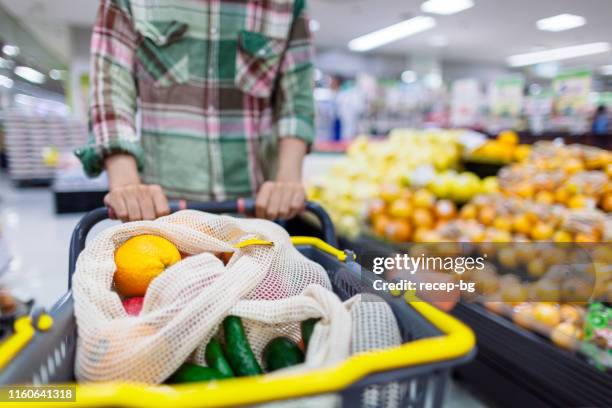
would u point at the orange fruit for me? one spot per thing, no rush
(398, 230)
(468, 212)
(536, 267)
(421, 218)
(525, 190)
(502, 223)
(400, 208)
(565, 335)
(376, 207)
(547, 313)
(521, 224)
(562, 196)
(486, 215)
(522, 315)
(420, 234)
(606, 202)
(544, 197)
(423, 198)
(582, 237)
(580, 201)
(562, 236)
(570, 314)
(495, 307)
(379, 223)
(141, 259)
(507, 257)
(514, 293)
(546, 290)
(542, 232)
(445, 210)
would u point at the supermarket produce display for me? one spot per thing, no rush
(543, 224)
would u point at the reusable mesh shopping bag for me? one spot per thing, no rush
(272, 287)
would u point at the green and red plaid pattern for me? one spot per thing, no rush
(215, 83)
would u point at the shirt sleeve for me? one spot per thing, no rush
(113, 89)
(294, 104)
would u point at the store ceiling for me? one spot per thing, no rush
(487, 33)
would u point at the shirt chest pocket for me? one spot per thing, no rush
(162, 51)
(258, 61)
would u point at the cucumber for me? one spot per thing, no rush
(194, 373)
(307, 327)
(216, 359)
(281, 352)
(237, 348)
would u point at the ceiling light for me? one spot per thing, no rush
(30, 74)
(409, 77)
(558, 54)
(561, 22)
(606, 70)
(446, 7)
(6, 82)
(392, 33)
(314, 25)
(10, 50)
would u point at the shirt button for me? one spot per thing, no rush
(213, 30)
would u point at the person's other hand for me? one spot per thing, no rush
(280, 200)
(137, 202)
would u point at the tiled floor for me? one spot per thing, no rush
(38, 240)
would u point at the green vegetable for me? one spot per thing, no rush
(281, 352)
(194, 373)
(307, 327)
(238, 350)
(216, 359)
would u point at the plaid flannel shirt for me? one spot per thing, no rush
(215, 84)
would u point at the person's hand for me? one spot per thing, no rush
(129, 199)
(137, 202)
(280, 200)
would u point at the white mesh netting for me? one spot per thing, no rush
(373, 328)
(272, 288)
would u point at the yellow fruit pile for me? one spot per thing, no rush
(357, 178)
(504, 149)
(461, 187)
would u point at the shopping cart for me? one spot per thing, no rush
(42, 350)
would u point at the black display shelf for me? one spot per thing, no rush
(515, 367)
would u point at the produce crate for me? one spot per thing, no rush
(43, 351)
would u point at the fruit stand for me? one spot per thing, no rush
(533, 327)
